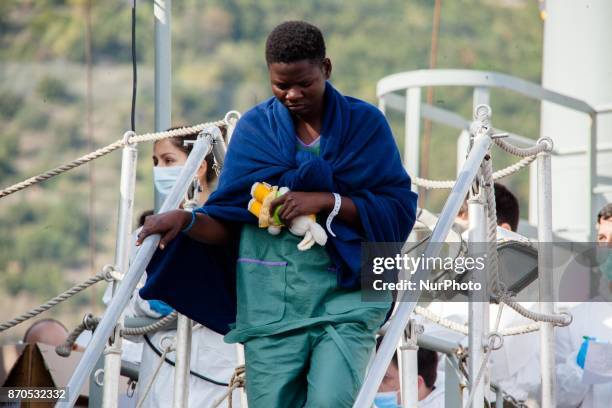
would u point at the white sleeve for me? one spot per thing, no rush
(570, 390)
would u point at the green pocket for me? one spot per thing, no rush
(261, 289)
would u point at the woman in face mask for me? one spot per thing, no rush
(169, 156)
(212, 361)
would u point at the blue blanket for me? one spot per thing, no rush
(359, 159)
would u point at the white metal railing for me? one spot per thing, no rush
(402, 92)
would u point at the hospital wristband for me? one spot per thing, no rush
(193, 220)
(333, 213)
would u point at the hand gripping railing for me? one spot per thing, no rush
(409, 299)
(132, 277)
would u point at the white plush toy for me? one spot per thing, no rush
(304, 225)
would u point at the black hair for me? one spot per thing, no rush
(294, 41)
(507, 206)
(605, 213)
(38, 322)
(427, 361)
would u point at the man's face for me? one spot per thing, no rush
(300, 86)
(604, 231)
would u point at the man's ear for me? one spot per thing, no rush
(327, 67)
(505, 226)
(420, 381)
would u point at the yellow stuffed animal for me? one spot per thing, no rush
(305, 225)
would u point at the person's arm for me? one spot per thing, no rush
(296, 203)
(169, 224)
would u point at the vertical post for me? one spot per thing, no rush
(480, 96)
(127, 186)
(382, 104)
(499, 397)
(413, 131)
(453, 397)
(183, 354)
(409, 366)
(545, 276)
(478, 303)
(591, 178)
(162, 10)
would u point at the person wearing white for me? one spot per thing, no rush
(212, 360)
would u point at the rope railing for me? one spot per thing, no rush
(55, 301)
(129, 138)
(499, 174)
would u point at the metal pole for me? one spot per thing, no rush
(545, 277)
(127, 186)
(162, 10)
(410, 298)
(591, 180)
(478, 315)
(183, 354)
(410, 366)
(132, 277)
(413, 130)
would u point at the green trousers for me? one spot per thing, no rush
(307, 342)
(315, 367)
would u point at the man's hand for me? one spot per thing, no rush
(296, 203)
(168, 225)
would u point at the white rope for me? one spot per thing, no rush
(463, 328)
(236, 381)
(147, 137)
(160, 324)
(154, 376)
(53, 302)
(496, 286)
(499, 174)
(520, 151)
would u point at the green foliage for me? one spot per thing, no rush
(38, 242)
(54, 90)
(9, 148)
(10, 103)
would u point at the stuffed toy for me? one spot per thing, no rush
(303, 226)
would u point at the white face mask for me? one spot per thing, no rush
(164, 179)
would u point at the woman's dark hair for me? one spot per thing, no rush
(294, 41)
(178, 142)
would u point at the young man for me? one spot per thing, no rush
(307, 333)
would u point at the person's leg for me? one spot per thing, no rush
(339, 359)
(276, 370)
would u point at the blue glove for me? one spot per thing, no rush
(160, 307)
(584, 348)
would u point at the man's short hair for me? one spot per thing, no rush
(507, 206)
(605, 213)
(294, 41)
(427, 366)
